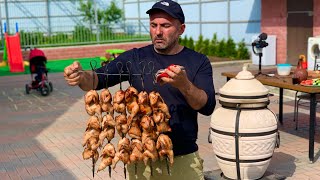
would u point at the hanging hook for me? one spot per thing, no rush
(142, 68)
(129, 66)
(93, 67)
(120, 70)
(106, 72)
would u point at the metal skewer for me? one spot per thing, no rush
(168, 168)
(93, 167)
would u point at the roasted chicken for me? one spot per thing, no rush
(90, 133)
(164, 147)
(150, 151)
(137, 150)
(105, 101)
(143, 101)
(148, 128)
(157, 103)
(131, 99)
(121, 125)
(88, 153)
(135, 130)
(162, 124)
(123, 153)
(119, 102)
(93, 123)
(107, 155)
(92, 105)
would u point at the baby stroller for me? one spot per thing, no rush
(37, 62)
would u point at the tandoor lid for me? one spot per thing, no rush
(244, 89)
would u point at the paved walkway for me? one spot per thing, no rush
(40, 137)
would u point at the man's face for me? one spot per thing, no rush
(164, 30)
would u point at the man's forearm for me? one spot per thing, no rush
(86, 80)
(195, 97)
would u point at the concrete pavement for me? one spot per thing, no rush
(40, 137)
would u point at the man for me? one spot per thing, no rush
(187, 90)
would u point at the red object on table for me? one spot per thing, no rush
(304, 65)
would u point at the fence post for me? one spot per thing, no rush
(96, 20)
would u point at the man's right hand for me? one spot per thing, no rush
(72, 73)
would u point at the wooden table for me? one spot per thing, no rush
(286, 83)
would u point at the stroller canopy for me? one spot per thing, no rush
(37, 58)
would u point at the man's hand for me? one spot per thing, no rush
(177, 77)
(72, 73)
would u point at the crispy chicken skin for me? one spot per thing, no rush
(106, 101)
(143, 101)
(92, 105)
(119, 102)
(164, 147)
(131, 99)
(107, 155)
(157, 103)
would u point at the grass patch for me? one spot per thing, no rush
(55, 66)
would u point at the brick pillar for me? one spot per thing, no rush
(316, 17)
(274, 22)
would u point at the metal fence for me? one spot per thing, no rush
(81, 35)
(43, 23)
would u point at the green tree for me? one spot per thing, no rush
(231, 50)
(88, 12)
(183, 41)
(213, 45)
(221, 49)
(205, 47)
(190, 43)
(113, 13)
(242, 51)
(198, 45)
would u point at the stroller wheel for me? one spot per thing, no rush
(45, 90)
(27, 89)
(50, 86)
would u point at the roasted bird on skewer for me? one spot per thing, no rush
(162, 124)
(164, 147)
(143, 101)
(137, 151)
(108, 128)
(123, 153)
(105, 102)
(157, 103)
(148, 128)
(150, 151)
(107, 155)
(131, 99)
(92, 105)
(119, 102)
(121, 125)
(135, 130)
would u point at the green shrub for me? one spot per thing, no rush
(242, 51)
(198, 44)
(213, 45)
(183, 41)
(190, 43)
(82, 34)
(221, 49)
(205, 46)
(231, 50)
(32, 38)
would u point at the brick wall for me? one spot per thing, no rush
(83, 51)
(316, 17)
(274, 22)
